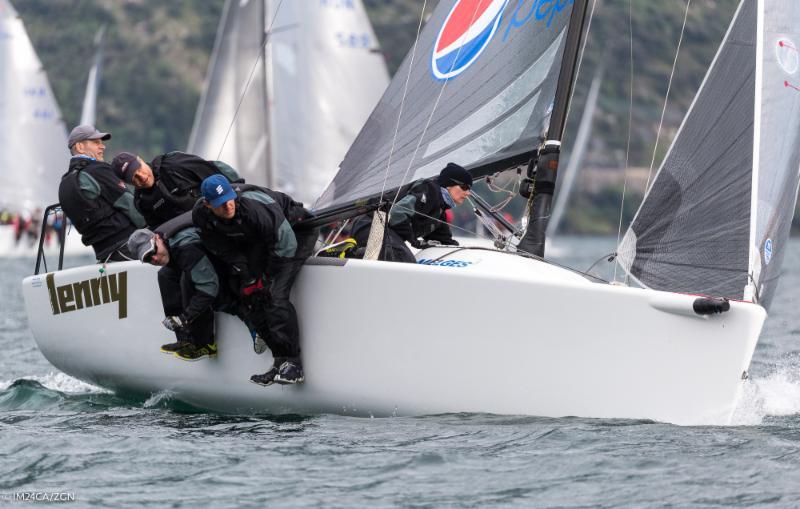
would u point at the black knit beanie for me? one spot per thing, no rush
(454, 175)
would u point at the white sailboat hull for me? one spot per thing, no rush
(482, 332)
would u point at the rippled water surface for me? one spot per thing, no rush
(61, 435)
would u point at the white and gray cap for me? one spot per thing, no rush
(86, 132)
(142, 244)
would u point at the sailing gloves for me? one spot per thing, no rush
(175, 323)
(252, 286)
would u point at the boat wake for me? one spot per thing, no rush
(57, 381)
(775, 395)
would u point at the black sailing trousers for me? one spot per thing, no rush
(271, 312)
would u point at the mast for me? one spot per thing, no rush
(542, 170)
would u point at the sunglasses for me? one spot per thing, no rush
(464, 187)
(150, 253)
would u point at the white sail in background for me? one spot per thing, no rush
(89, 111)
(311, 87)
(32, 132)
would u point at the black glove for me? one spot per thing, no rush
(450, 242)
(251, 287)
(175, 323)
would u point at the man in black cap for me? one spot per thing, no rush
(420, 214)
(251, 230)
(189, 284)
(97, 202)
(170, 184)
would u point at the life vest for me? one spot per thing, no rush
(98, 222)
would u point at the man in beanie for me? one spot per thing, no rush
(250, 229)
(420, 215)
(170, 184)
(97, 202)
(189, 284)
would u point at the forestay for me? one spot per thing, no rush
(28, 115)
(477, 90)
(711, 215)
(314, 84)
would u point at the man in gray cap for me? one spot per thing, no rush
(97, 202)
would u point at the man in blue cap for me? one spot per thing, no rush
(95, 200)
(252, 230)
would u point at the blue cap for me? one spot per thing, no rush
(217, 190)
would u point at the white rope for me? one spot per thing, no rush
(249, 79)
(666, 97)
(630, 129)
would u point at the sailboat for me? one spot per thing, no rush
(288, 88)
(488, 87)
(28, 111)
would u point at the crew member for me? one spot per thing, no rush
(170, 184)
(97, 202)
(250, 229)
(419, 217)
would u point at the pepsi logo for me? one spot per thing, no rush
(465, 33)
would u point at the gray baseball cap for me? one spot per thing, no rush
(86, 132)
(142, 243)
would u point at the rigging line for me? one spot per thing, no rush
(250, 78)
(403, 101)
(666, 97)
(628, 146)
(433, 111)
(438, 220)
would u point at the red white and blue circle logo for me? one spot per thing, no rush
(464, 35)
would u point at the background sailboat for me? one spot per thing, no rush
(289, 86)
(32, 133)
(89, 110)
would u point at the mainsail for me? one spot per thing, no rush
(304, 95)
(28, 114)
(477, 89)
(716, 219)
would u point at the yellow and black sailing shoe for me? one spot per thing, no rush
(173, 347)
(191, 352)
(340, 249)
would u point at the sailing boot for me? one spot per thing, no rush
(290, 372)
(268, 378)
(173, 347)
(191, 352)
(259, 345)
